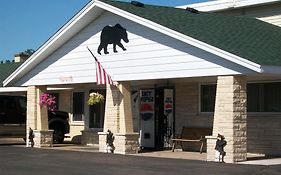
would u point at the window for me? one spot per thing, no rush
(78, 106)
(261, 97)
(264, 97)
(22, 104)
(208, 96)
(96, 117)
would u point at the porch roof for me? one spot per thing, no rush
(245, 37)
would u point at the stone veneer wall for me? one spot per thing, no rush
(187, 111)
(65, 100)
(90, 137)
(65, 104)
(187, 107)
(43, 139)
(263, 131)
(264, 134)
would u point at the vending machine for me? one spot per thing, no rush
(156, 117)
(147, 118)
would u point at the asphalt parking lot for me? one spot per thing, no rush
(19, 160)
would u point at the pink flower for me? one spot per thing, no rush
(48, 101)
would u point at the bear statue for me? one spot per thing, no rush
(112, 35)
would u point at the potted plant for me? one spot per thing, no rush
(95, 98)
(48, 101)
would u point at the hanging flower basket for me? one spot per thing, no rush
(95, 98)
(48, 101)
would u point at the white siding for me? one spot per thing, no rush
(149, 55)
(270, 13)
(276, 20)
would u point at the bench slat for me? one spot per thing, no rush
(186, 140)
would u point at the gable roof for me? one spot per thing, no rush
(248, 38)
(6, 69)
(244, 41)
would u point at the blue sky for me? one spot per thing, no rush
(27, 24)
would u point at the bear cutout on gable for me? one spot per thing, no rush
(112, 35)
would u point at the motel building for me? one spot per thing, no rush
(174, 68)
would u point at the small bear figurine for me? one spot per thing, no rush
(109, 142)
(31, 137)
(220, 144)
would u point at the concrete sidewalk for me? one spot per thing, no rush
(254, 159)
(178, 154)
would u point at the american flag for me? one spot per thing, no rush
(101, 76)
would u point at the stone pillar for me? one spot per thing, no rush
(31, 112)
(112, 102)
(126, 143)
(230, 118)
(43, 138)
(126, 140)
(125, 109)
(42, 112)
(118, 119)
(102, 142)
(90, 137)
(211, 142)
(111, 116)
(37, 118)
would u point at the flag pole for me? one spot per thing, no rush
(101, 73)
(92, 54)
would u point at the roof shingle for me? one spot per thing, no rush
(6, 69)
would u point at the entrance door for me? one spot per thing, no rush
(164, 117)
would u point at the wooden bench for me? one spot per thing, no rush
(192, 135)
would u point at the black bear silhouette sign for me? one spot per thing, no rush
(112, 35)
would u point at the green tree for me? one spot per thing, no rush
(28, 52)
